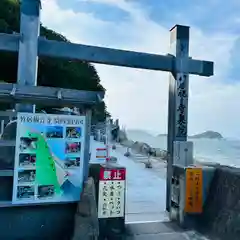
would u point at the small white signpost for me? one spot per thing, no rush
(101, 154)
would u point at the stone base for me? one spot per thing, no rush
(86, 218)
(127, 154)
(148, 164)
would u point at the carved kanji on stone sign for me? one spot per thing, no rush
(182, 95)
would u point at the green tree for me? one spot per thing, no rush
(52, 72)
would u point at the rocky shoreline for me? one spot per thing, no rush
(141, 147)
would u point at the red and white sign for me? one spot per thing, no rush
(101, 153)
(112, 174)
(111, 202)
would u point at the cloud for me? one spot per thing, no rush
(139, 97)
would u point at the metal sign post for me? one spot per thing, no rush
(87, 149)
(108, 138)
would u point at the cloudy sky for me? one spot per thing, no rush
(139, 97)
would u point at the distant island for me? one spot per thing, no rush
(207, 134)
(162, 135)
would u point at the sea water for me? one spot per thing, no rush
(223, 151)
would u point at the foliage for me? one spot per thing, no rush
(51, 71)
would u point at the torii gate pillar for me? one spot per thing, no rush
(178, 96)
(28, 47)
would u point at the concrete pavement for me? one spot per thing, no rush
(146, 190)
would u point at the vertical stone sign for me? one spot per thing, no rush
(178, 96)
(181, 106)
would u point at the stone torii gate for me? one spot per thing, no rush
(29, 46)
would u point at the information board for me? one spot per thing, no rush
(111, 200)
(194, 196)
(48, 158)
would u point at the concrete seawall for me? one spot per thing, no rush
(221, 216)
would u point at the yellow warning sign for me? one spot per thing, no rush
(194, 196)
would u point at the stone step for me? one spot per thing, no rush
(159, 236)
(160, 230)
(140, 217)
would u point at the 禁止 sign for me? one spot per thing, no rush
(194, 196)
(111, 202)
(48, 155)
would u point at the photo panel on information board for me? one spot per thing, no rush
(46, 191)
(73, 132)
(27, 160)
(72, 147)
(26, 192)
(72, 162)
(26, 176)
(28, 144)
(54, 132)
